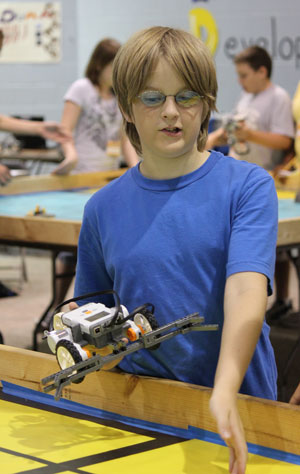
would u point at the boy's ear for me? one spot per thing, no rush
(126, 116)
(263, 71)
(205, 112)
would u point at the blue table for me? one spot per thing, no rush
(64, 198)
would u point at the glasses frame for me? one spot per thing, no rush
(164, 97)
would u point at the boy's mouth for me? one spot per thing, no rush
(172, 131)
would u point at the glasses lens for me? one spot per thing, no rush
(188, 98)
(152, 98)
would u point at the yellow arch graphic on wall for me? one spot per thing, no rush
(201, 19)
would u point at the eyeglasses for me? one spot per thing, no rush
(184, 98)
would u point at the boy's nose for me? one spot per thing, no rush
(170, 107)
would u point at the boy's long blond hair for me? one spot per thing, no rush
(190, 58)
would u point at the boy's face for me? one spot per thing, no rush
(251, 81)
(167, 130)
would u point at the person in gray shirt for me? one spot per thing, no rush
(263, 114)
(263, 134)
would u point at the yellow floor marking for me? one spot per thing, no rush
(55, 437)
(189, 457)
(59, 438)
(10, 464)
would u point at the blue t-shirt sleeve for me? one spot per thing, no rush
(91, 274)
(252, 246)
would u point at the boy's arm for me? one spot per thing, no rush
(295, 399)
(216, 138)
(276, 141)
(244, 309)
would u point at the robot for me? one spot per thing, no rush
(79, 335)
(231, 123)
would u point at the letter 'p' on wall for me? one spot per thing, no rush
(203, 26)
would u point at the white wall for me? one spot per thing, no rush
(274, 23)
(38, 89)
(120, 18)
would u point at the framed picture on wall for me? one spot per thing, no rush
(31, 32)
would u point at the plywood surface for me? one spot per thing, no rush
(267, 423)
(20, 228)
(36, 440)
(38, 183)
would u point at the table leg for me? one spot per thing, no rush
(50, 305)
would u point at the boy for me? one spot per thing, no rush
(186, 229)
(268, 127)
(268, 132)
(270, 138)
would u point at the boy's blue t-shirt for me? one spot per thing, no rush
(173, 243)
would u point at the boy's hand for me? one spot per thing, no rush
(224, 409)
(221, 137)
(242, 133)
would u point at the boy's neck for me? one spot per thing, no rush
(264, 86)
(170, 168)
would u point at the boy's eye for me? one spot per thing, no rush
(187, 98)
(151, 98)
(184, 98)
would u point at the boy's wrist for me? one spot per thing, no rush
(250, 134)
(225, 387)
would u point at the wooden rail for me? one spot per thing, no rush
(266, 423)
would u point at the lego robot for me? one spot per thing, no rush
(79, 335)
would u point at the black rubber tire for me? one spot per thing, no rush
(151, 320)
(69, 346)
(154, 325)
